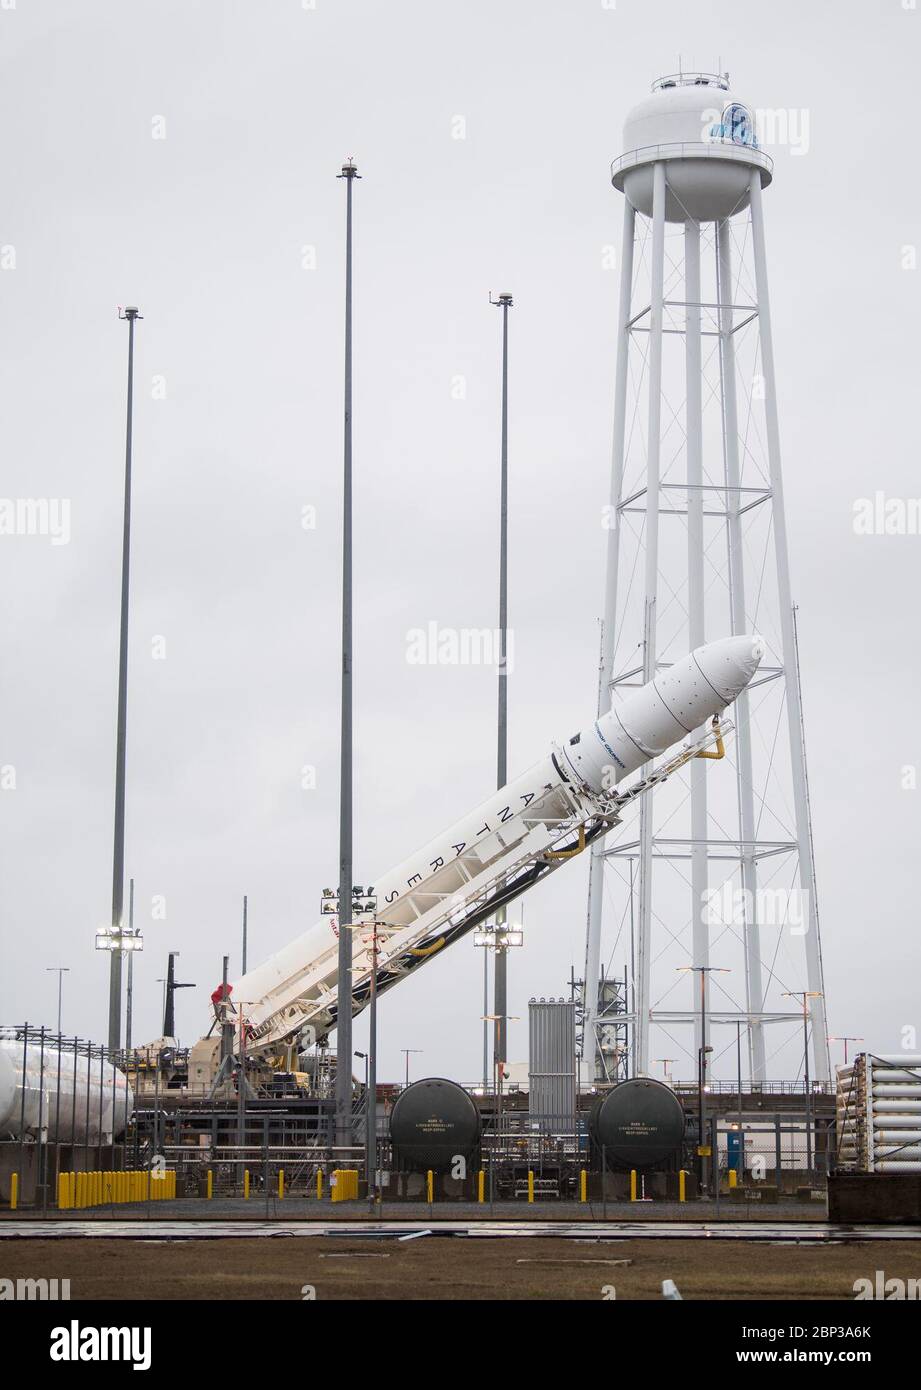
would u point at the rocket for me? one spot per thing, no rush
(503, 846)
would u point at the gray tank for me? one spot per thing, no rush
(432, 1122)
(639, 1124)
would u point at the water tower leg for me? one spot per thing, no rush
(608, 634)
(700, 932)
(813, 950)
(748, 865)
(656, 315)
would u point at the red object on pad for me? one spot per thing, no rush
(218, 994)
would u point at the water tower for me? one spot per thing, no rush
(721, 874)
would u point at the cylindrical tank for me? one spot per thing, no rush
(69, 1096)
(706, 137)
(639, 1124)
(432, 1123)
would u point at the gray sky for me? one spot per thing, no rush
(206, 231)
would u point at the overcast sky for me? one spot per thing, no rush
(183, 158)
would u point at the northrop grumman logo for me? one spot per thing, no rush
(76, 1343)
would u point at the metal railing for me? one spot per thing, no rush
(732, 150)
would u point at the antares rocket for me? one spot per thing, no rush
(500, 849)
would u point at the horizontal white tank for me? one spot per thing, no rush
(897, 1059)
(69, 1098)
(890, 1166)
(882, 1089)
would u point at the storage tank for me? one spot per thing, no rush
(639, 1124)
(69, 1095)
(433, 1122)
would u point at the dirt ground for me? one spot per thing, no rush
(453, 1268)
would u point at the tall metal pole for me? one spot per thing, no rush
(813, 950)
(371, 1096)
(608, 633)
(500, 985)
(344, 1011)
(243, 963)
(118, 854)
(485, 1020)
(61, 971)
(129, 995)
(702, 1077)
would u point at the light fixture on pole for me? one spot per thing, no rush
(704, 1150)
(499, 937)
(350, 173)
(407, 1051)
(61, 971)
(806, 995)
(363, 912)
(844, 1038)
(500, 972)
(131, 315)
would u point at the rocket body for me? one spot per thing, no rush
(580, 772)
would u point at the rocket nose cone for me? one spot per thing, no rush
(730, 663)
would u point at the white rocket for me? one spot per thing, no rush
(501, 848)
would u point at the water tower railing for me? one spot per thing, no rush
(732, 150)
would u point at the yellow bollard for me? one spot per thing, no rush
(210, 1184)
(632, 1184)
(281, 1182)
(246, 1184)
(430, 1186)
(14, 1191)
(319, 1184)
(583, 1186)
(733, 1179)
(481, 1186)
(682, 1185)
(530, 1185)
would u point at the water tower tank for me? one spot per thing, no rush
(707, 138)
